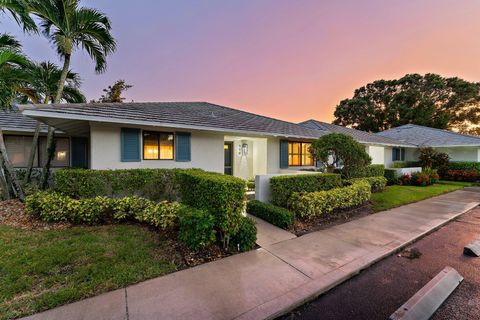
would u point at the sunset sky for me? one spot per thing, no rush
(292, 60)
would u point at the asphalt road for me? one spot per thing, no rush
(381, 289)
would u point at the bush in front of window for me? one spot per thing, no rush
(282, 187)
(309, 205)
(273, 214)
(430, 158)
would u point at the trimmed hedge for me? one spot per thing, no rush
(372, 170)
(470, 166)
(54, 207)
(377, 183)
(462, 175)
(224, 196)
(282, 187)
(197, 228)
(153, 184)
(313, 204)
(391, 176)
(277, 216)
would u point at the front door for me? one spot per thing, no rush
(228, 151)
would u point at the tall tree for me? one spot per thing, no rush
(429, 100)
(18, 9)
(113, 94)
(41, 87)
(12, 61)
(69, 26)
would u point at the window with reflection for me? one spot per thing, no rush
(158, 145)
(62, 152)
(299, 154)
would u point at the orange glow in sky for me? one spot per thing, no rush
(292, 60)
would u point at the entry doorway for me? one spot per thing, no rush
(228, 157)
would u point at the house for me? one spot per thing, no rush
(192, 135)
(459, 147)
(382, 150)
(18, 131)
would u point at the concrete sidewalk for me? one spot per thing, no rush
(267, 282)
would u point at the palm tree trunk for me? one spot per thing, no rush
(33, 152)
(9, 170)
(50, 145)
(4, 190)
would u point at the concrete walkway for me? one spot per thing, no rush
(268, 234)
(267, 282)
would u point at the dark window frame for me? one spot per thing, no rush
(399, 152)
(300, 155)
(158, 133)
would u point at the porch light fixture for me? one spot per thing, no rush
(245, 149)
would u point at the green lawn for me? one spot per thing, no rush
(395, 196)
(43, 269)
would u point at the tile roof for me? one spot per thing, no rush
(360, 136)
(429, 137)
(196, 115)
(15, 121)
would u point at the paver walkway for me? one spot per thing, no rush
(266, 282)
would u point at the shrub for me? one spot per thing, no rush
(246, 236)
(277, 216)
(425, 178)
(391, 175)
(314, 204)
(462, 175)
(128, 207)
(162, 215)
(251, 184)
(197, 227)
(399, 164)
(282, 187)
(377, 183)
(334, 149)
(464, 165)
(224, 196)
(153, 184)
(373, 170)
(430, 158)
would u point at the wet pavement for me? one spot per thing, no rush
(381, 289)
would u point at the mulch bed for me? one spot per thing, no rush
(302, 227)
(12, 213)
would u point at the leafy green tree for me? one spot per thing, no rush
(69, 26)
(429, 100)
(113, 94)
(337, 149)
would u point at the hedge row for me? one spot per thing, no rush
(373, 170)
(462, 175)
(313, 204)
(425, 178)
(277, 216)
(282, 187)
(377, 184)
(391, 176)
(54, 207)
(467, 166)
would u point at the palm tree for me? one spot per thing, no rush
(41, 87)
(12, 62)
(19, 11)
(69, 26)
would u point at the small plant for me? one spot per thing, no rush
(246, 236)
(391, 176)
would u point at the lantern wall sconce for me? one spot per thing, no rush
(245, 149)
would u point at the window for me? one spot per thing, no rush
(398, 154)
(299, 154)
(157, 146)
(18, 150)
(62, 152)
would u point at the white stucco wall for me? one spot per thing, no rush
(461, 153)
(273, 155)
(387, 156)
(207, 151)
(377, 153)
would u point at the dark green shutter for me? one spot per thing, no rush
(130, 145)
(182, 147)
(283, 154)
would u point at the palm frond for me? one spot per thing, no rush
(8, 42)
(19, 10)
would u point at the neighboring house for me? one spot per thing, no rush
(459, 147)
(382, 150)
(18, 131)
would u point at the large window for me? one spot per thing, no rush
(299, 154)
(398, 154)
(62, 152)
(157, 145)
(18, 150)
